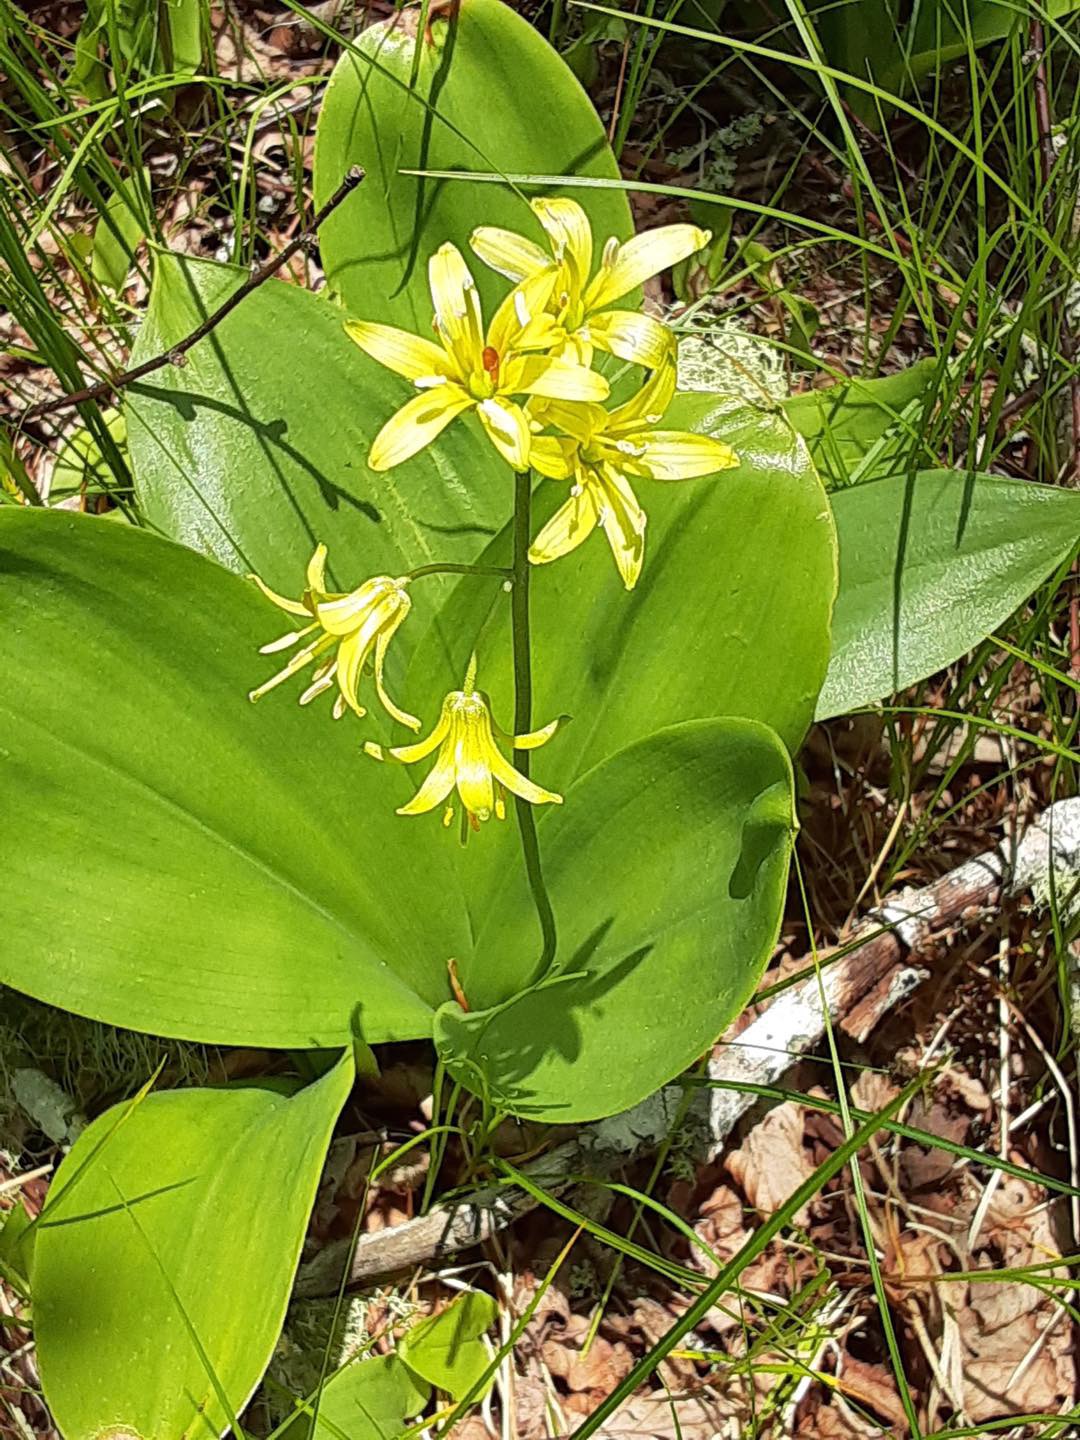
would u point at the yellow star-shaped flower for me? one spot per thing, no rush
(580, 304)
(600, 450)
(470, 369)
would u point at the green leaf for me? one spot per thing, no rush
(861, 429)
(489, 94)
(185, 18)
(930, 564)
(178, 860)
(667, 869)
(256, 448)
(117, 234)
(80, 466)
(446, 1349)
(166, 1253)
(366, 1400)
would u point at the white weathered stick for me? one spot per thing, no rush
(865, 981)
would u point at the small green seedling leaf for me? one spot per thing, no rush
(447, 1350)
(369, 1399)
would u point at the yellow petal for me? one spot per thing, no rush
(624, 525)
(636, 338)
(508, 252)
(368, 607)
(632, 263)
(647, 406)
(542, 375)
(521, 322)
(553, 455)
(293, 607)
(571, 524)
(680, 455)
(416, 424)
(457, 308)
(316, 570)
(352, 652)
(399, 350)
(410, 754)
(535, 738)
(436, 787)
(580, 419)
(507, 429)
(472, 760)
(520, 784)
(401, 716)
(570, 233)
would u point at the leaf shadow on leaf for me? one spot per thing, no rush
(270, 433)
(514, 1046)
(102, 1212)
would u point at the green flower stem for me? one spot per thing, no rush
(448, 568)
(519, 613)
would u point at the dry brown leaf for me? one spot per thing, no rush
(660, 1417)
(772, 1162)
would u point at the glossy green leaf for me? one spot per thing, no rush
(166, 1253)
(256, 448)
(178, 860)
(930, 564)
(446, 1350)
(371, 1399)
(667, 869)
(859, 429)
(117, 234)
(465, 110)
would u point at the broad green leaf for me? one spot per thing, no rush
(667, 869)
(369, 1399)
(930, 564)
(178, 860)
(859, 429)
(166, 1253)
(446, 1349)
(256, 448)
(117, 234)
(488, 94)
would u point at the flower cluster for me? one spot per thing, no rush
(528, 376)
(349, 629)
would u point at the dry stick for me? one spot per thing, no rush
(175, 356)
(865, 980)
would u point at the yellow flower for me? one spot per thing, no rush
(469, 369)
(469, 759)
(599, 451)
(348, 628)
(580, 304)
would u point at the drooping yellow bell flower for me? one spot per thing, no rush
(599, 451)
(470, 369)
(580, 304)
(349, 628)
(470, 760)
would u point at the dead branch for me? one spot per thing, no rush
(175, 356)
(856, 984)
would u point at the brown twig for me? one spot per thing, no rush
(175, 356)
(857, 986)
